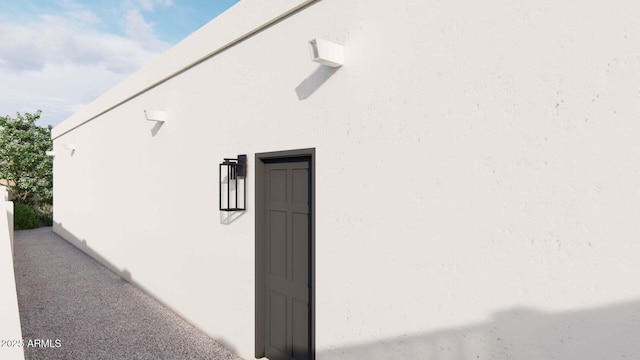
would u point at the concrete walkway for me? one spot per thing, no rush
(78, 309)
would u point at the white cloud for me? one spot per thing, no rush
(78, 12)
(85, 16)
(60, 61)
(141, 31)
(58, 89)
(56, 40)
(149, 5)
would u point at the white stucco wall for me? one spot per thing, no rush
(477, 176)
(11, 346)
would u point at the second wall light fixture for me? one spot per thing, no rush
(155, 115)
(326, 52)
(233, 187)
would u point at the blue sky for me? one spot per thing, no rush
(58, 55)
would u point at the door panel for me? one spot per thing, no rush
(278, 243)
(278, 185)
(300, 179)
(300, 244)
(278, 329)
(287, 245)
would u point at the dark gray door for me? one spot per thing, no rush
(287, 245)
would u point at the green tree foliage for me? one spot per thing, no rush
(25, 217)
(23, 159)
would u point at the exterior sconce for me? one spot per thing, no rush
(233, 187)
(326, 53)
(71, 147)
(155, 115)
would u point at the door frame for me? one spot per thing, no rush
(260, 271)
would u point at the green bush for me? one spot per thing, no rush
(46, 219)
(45, 214)
(25, 217)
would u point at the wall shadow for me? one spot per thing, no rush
(312, 83)
(597, 333)
(83, 246)
(126, 275)
(608, 332)
(228, 217)
(156, 128)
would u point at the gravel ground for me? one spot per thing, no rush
(81, 310)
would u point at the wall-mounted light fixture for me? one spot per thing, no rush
(155, 115)
(326, 53)
(233, 187)
(50, 153)
(70, 147)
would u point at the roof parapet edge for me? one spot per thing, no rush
(243, 17)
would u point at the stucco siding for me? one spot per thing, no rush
(476, 164)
